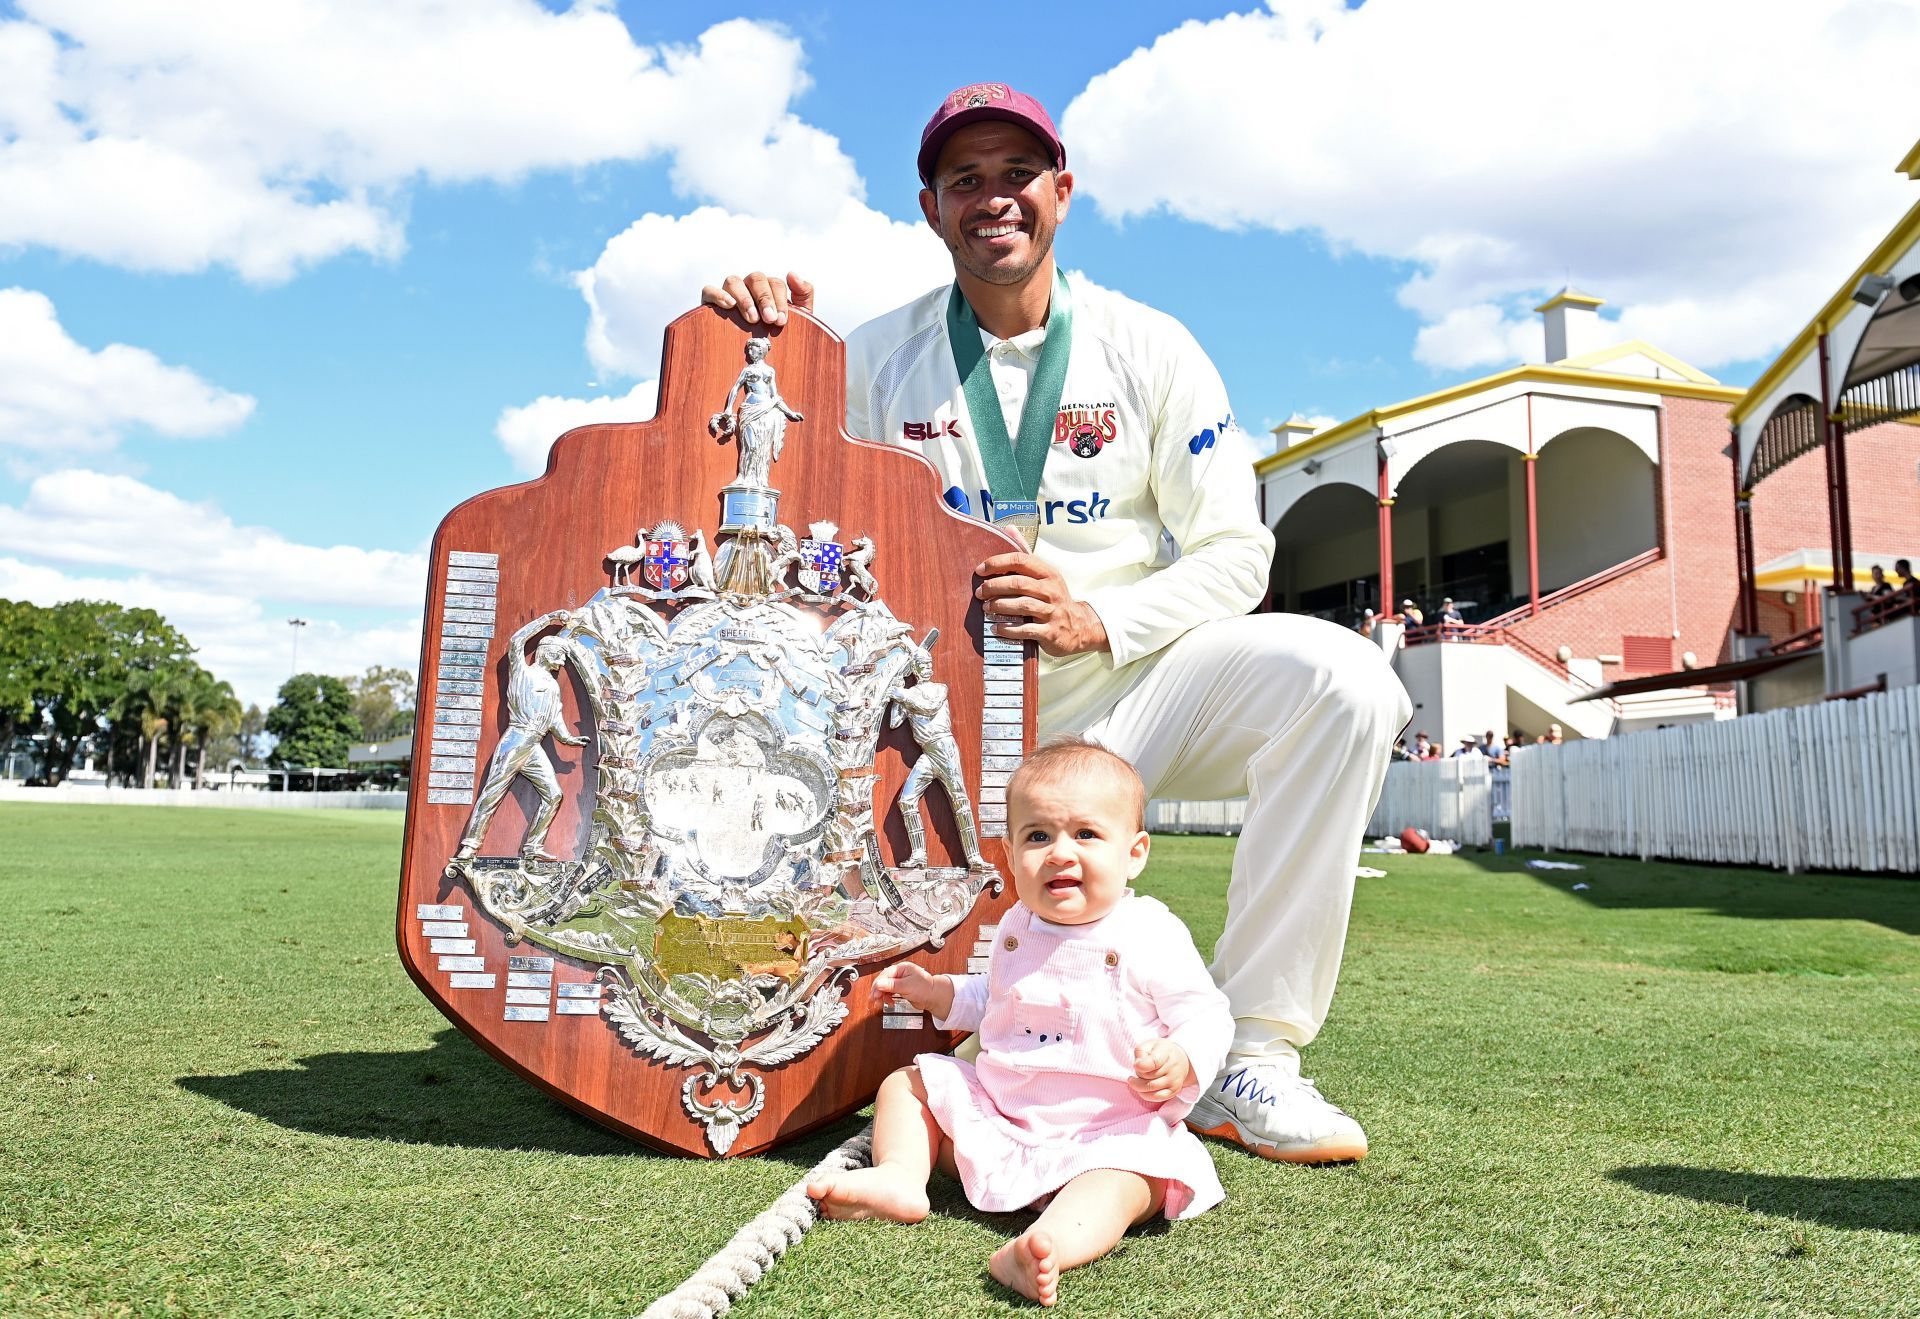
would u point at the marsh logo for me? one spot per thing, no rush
(1199, 444)
(1070, 511)
(1085, 428)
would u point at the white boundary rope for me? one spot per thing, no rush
(745, 1259)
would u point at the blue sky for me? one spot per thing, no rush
(1346, 206)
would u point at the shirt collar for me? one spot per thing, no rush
(1028, 344)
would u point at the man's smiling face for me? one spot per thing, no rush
(996, 200)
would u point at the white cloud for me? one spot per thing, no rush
(862, 264)
(1713, 168)
(227, 588)
(59, 397)
(269, 137)
(527, 432)
(98, 520)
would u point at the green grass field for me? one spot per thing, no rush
(1687, 1091)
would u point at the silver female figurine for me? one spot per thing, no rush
(761, 428)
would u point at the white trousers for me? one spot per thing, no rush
(1299, 715)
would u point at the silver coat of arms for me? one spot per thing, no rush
(732, 881)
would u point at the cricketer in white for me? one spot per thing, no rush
(1150, 553)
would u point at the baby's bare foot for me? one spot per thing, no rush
(881, 1192)
(1028, 1265)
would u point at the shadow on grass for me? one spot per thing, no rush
(448, 1094)
(950, 1201)
(1885, 1204)
(451, 1094)
(1742, 892)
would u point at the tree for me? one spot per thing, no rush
(313, 718)
(213, 712)
(87, 667)
(383, 703)
(95, 662)
(241, 742)
(20, 647)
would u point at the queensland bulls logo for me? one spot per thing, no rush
(1085, 430)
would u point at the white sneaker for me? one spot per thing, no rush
(1266, 1106)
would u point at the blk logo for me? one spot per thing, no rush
(930, 430)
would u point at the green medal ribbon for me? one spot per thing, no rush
(1013, 469)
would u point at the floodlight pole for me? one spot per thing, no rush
(296, 624)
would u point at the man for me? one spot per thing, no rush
(1903, 569)
(1146, 652)
(1448, 613)
(1422, 746)
(1469, 746)
(1411, 612)
(1881, 586)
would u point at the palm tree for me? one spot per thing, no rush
(214, 712)
(142, 704)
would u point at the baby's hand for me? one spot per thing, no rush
(1161, 1070)
(918, 987)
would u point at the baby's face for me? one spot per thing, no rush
(1075, 849)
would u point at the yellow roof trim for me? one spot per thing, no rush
(1889, 250)
(1571, 297)
(1544, 375)
(1644, 349)
(1910, 163)
(1789, 579)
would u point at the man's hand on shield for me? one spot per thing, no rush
(1027, 600)
(760, 298)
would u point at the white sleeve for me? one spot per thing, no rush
(1202, 479)
(969, 1004)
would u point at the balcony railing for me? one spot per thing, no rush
(1884, 609)
(1579, 588)
(1805, 640)
(1486, 634)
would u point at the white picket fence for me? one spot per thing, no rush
(65, 795)
(1829, 786)
(1196, 817)
(1450, 798)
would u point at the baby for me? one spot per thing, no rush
(1098, 1026)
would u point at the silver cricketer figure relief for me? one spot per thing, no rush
(732, 880)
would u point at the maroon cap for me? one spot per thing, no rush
(985, 100)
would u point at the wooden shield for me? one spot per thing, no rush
(674, 926)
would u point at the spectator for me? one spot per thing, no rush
(1448, 613)
(1553, 734)
(1415, 618)
(1423, 748)
(1469, 746)
(1881, 586)
(1365, 626)
(1903, 569)
(1400, 751)
(1495, 749)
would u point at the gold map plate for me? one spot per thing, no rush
(730, 949)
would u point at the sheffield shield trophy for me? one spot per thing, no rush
(688, 778)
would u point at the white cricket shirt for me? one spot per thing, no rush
(1147, 499)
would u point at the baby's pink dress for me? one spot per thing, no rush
(1059, 1012)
